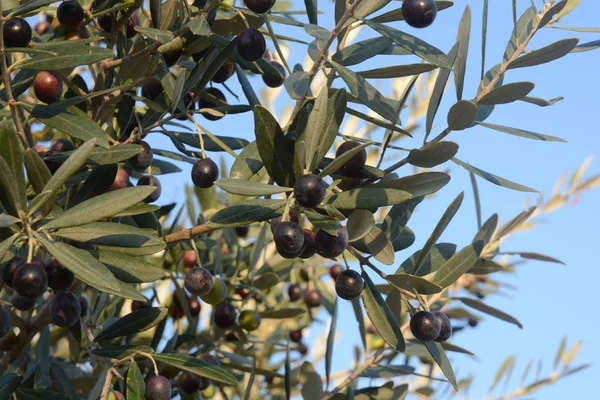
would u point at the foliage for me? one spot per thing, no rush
(73, 205)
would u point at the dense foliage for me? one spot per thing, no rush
(107, 295)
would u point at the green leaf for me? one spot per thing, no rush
(484, 266)
(336, 164)
(111, 234)
(361, 51)
(395, 221)
(432, 154)
(593, 45)
(438, 91)
(211, 63)
(247, 163)
(88, 270)
(461, 115)
(101, 156)
(487, 230)
(411, 282)
(311, 11)
(542, 102)
(246, 86)
(130, 269)
(61, 382)
(199, 26)
(438, 230)
(193, 140)
(266, 281)
(99, 181)
(246, 212)
(532, 256)
(135, 322)
(517, 221)
(458, 264)
(9, 192)
(100, 207)
(136, 387)
(282, 313)
(19, 85)
(323, 125)
(462, 38)
(555, 9)
(246, 188)
(417, 185)
(196, 366)
(273, 147)
(39, 394)
(496, 180)
(413, 44)
(8, 384)
(312, 386)
(5, 245)
(297, 84)
(367, 94)
(119, 352)
(369, 198)
(360, 223)
(6, 221)
(522, 30)
(157, 35)
(37, 171)
(507, 93)
(521, 133)
(440, 358)
(546, 54)
(12, 152)
(379, 246)
(67, 169)
(360, 319)
(288, 376)
(330, 343)
(397, 71)
(439, 254)
(68, 57)
(494, 312)
(381, 315)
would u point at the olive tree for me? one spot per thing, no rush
(106, 294)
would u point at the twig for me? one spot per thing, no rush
(322, 55)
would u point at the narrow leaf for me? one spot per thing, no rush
(546, 54)
(381, 315)
(330, 343)
(496, 180)
(458, 264)
(196, 366)
(438, 230)
(101, 207)
(135, 322)
(136, 387)
(494, 312)
(521, 133)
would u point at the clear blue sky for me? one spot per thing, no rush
(552, 300)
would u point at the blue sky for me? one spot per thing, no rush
(551, 300)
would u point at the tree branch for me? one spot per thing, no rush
(323, 54)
